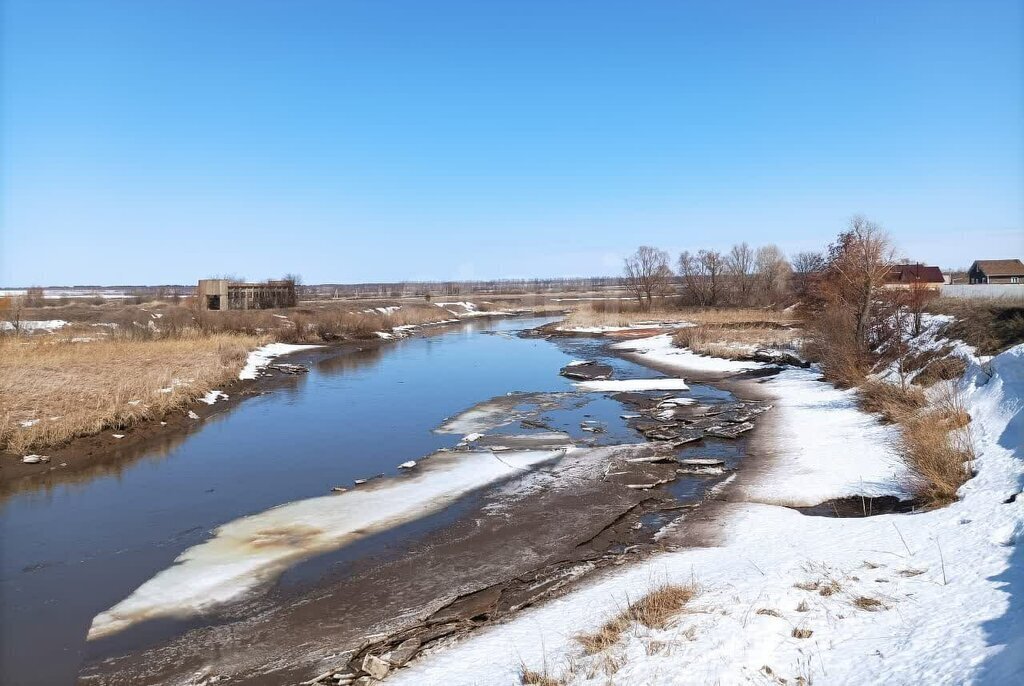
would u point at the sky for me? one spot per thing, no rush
(348, 141)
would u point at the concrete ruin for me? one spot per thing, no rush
(222, 294)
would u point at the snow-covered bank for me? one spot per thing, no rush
(249, 552)
(261, 357)
(934, 597)
(659, 351)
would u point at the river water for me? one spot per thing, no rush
(74, 550)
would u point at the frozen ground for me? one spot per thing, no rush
(927, 598)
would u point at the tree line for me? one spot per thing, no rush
(742, 276)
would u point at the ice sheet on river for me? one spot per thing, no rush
(249, 552)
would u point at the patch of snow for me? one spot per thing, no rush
(248, 553)
(632, 327)
(660, 351)
(35, 326)
(213, 396)
(261, 357)
(622, 385)
(947, 582)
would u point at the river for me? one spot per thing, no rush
(76, 549)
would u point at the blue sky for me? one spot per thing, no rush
(164, 141)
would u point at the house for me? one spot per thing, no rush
(914, 275)
(221, 294)
(996, 271)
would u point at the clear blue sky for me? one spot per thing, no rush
(162, 141)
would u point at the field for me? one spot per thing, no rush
(53, 389)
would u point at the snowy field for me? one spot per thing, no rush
(926, 598)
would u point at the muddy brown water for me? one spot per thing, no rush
(74, 549)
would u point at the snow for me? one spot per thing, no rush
(621, 385)
(249, 553)
(213, 396)
(632, 327)
(950, 581)
(261, 357)
(659, 350)
(35, 325)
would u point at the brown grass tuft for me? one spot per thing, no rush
(869, 604)
(531, 677)
(655, 610)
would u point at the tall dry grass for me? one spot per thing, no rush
(71, 389)
(939, 448)
(625, 313)
(733, 341)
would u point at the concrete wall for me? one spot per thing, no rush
(984, 290)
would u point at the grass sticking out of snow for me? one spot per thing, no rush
(654, 610)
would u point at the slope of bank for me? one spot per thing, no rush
(783, 597)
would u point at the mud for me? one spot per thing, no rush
(516, 546)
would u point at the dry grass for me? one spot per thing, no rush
(626, 313)
(74, 389)
(870, 604)
(941, 369)
(531, 677)
(893, 402)
(655, 610)
(989, 325)
(731, 341)
(938, 446)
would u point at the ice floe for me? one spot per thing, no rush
(247, 553)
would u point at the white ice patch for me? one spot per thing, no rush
(213, 396)
(622, 385)
(252, 551)
(660, 350)
(261, 357)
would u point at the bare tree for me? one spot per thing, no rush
(647, 274)
(807, 266)
(739, 267)
(858, 264)
(702, 276)
(771, 274)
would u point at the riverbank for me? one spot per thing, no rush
(482, 559)
(782, 596)
(84, 406)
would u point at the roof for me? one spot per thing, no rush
(1000, 267)
(914, 273)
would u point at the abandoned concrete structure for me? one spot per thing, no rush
(222, 294)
